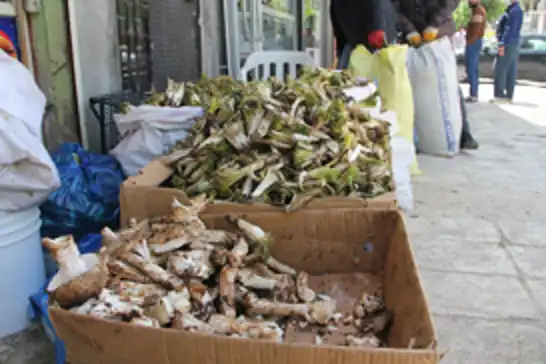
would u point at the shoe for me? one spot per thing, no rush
(471, 99)
(500, 100)
(468, 142)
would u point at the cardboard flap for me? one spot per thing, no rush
(154, 174)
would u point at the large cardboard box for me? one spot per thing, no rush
(336, 241)
(147, 189)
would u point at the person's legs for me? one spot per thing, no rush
(472, 55)
(466, 126)
(343, 61)
(467, 140)
(500, 74)
(512, 75)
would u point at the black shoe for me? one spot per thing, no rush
(468, 142)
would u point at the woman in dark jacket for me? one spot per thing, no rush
(371, 23)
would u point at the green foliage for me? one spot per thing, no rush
(494, 9)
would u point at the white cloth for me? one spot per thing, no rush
(27, 173)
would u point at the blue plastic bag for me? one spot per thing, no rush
(88, 198)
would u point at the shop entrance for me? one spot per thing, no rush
(272, 25)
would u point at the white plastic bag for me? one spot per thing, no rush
(403, 154)
(433, 74)
(150, 131)
(27, 173)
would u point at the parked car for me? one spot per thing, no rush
(532, 60)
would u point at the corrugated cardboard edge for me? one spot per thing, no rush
(99, 341)
(154, 174)
(426, 319)
(90, 340)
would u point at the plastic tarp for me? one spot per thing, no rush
(27, 173)
(40, 300)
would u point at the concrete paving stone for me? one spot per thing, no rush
(31, 346)
(481, 342)
(477, 295)
(538, 290)
(464, 229)
(428, 164)
(510, 176)
(5, 352)
(442, 177)
(524, 232)
(531, 260)
(448, 254)
(478, 202)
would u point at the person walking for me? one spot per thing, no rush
(474, 39)
(370, 23)
(506, 61)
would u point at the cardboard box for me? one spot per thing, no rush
(146, 188)
(332, 241)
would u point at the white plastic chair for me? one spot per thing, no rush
(251, 69)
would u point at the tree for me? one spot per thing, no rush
(494, 9)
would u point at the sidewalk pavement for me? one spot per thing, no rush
(480, 239)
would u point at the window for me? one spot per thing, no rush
(537, 44)
(134, 44)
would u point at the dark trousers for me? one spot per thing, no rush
(343, 59)
(472, 60)
(506, 71)
(464, 115)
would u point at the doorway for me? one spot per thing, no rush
(274, 25)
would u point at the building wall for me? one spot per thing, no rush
(54, 73)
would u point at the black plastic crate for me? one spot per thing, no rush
(104, 108)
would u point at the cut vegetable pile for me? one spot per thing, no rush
(174, 272)
(279, 143)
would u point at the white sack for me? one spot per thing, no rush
(149, 132)
(27, 173)
(433, 74)
(403, 154)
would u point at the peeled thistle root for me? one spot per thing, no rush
(255, 235)
(80, 277)
(216, 282)
(258, 138)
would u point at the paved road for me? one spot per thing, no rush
(480, 238)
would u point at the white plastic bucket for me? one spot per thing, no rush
(22, 271)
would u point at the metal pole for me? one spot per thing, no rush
(326, 35)
(232, 37)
